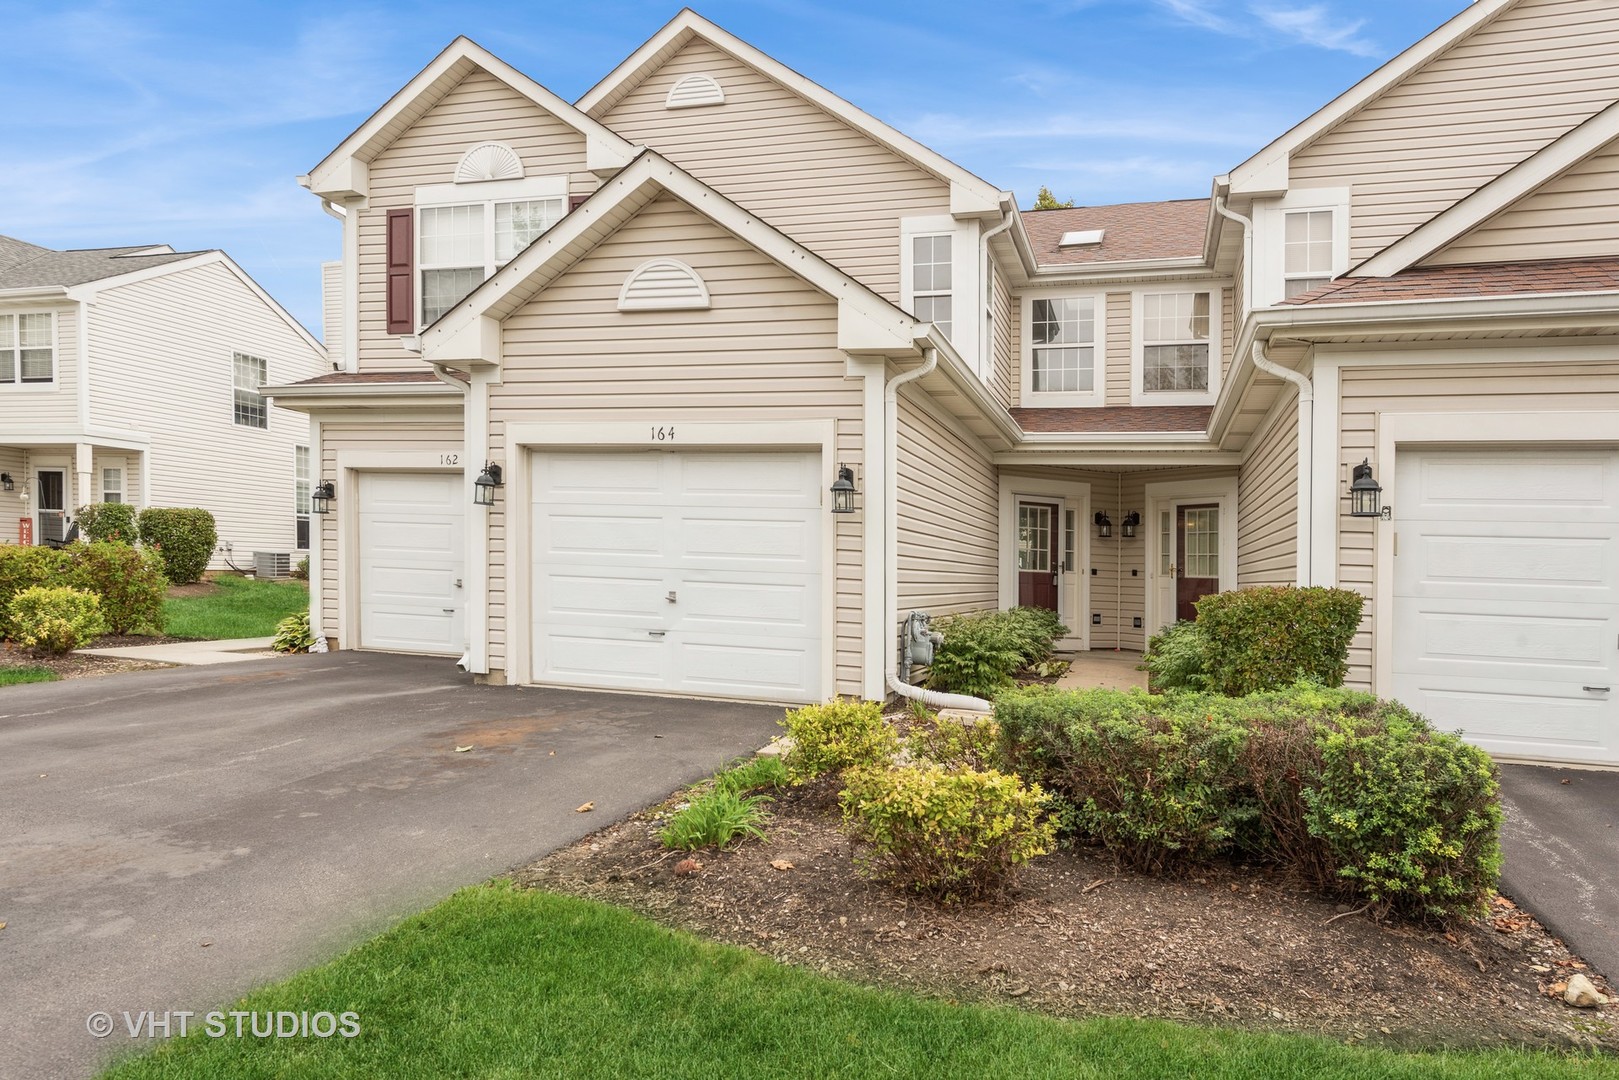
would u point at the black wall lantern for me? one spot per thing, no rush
(1127, 527)
(321, 497)
(843, 491)
(483, 488)
(1104, 525)
(6, 482)
(1365, 493)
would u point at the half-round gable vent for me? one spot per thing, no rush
(489, 161)
(694, 90)
(662, 285)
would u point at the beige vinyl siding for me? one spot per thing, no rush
(1368, 392)
(1003, 348)
(360, 434)
(1573, 216)
(1511, 87)
(1120, 356)
(947, 503)
(331, 309)
(1228, 329)
(807, 173)
(481, 108)
(766, 350)
(37, 405)
(1267, 503)
(14, 504)
(161, 354)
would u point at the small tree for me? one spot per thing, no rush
(1045, 200)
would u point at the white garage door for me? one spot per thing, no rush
(681, 572)
(412, 562)
(1506, 609)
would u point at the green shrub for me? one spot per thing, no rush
(1270, 637)
(55, 620)
(1410, 816)
(1177, 658)
(293, 635)
(113, 522)
(128, 581)
(955, 743)
(982, 651)
(951, 835)
(763, 773)
(300, 569)
(183, 536)
(832, 737)
(25, 568)
(715, 819)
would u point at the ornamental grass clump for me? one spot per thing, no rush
(716, 818)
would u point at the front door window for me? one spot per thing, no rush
(1197, 557)
(52, 504)
(1037, 555)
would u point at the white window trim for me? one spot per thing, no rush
(1097, 395)
(308, 481)
(1138, 344)
(1270, 233)
(56, 357)
(123, 487)
(966, 280)
(485, 194)
(231, 378)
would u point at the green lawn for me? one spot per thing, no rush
(499, 982)
(13, 676)
(240, 608)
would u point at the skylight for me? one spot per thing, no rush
(1081, 238)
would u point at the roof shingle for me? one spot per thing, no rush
(1155, 230)
(1116, 419)
(28, 266)
(1469, 282)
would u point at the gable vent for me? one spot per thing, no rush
(662, 285)
(489, 161)
(694, 90)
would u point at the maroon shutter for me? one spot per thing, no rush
(401, 273)
(576, 201)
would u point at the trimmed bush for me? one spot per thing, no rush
(129, 582)
(293, 635)
(25, 568)
(954, 743)
(1177, 658)
(183, 536)
(112, 522)
(951, 835)
(300, 569)
(1271, 637)
(982, 651)
(55, 621)
(1357, 796)
(837, 735)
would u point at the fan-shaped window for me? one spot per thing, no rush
(489, 161)
(662, 285)
(694, 90)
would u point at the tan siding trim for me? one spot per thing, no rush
(1267, 502)
(947, 497)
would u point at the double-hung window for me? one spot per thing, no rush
(27, 348)
(932, 279)
(248, 373)
(1306, 250)
(112, 485)
(1062, 336)
(1175, 342)
(461, 245)
(300, 495)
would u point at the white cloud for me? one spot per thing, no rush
(1315, 25)
(1200, 13)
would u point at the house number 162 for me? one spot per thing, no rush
(663, 434)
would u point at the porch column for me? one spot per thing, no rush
(83, 492)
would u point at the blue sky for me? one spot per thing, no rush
(186, 123)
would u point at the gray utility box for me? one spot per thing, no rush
(270, 565)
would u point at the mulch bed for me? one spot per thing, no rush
(1230, 946)
(77, 665)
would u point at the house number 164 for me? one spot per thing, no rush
(663, 434)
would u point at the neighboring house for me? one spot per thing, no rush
(671, 312)
(132, 375)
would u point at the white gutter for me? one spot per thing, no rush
(1247, 250)
(890, 552)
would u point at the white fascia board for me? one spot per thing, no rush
(977, 197)
(471, 343)
(345, 178)
(860, 334)
(969, 385)
(38, 292)
(1260, 174)
(1094, 455)
(1547, 164)
(1076, 273)
(306, 399)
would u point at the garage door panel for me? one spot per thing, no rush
(1545, 720)
(780, 543)
(1573, 485)
(1442, 560)
(592, 656)
(408, 628)
(605, 593)
(599, 477)
(406, 493)
(758, 480)
(411, 544)
(749, 606)
(578, 531)
(740, 669)
(1505, 640)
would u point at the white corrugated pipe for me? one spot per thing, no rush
(935, 700)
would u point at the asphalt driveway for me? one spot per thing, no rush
(1560, 845)
(169, 840)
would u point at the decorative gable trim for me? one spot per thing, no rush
(489, 161)
(695, 90)
(663, 285)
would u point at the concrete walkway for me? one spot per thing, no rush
(1104, 668)
(191, 653)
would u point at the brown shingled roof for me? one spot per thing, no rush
(1119, 419)
(1468, 282)
(1155, 230)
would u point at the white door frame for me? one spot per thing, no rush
(53, 466)
(523, 440)
(1073, 590)
(1169, 494)
(1476, 430)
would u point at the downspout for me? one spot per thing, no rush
(986, 344)
(350, 340)
(1247, 250)
(476, 657)
(931, 698)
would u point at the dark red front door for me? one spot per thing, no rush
(1037, 559)
(1197, 557)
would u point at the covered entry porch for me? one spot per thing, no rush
(44, 480)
